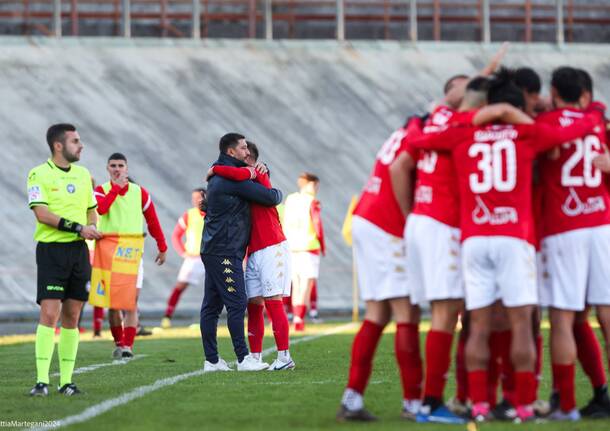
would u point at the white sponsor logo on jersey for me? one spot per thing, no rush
(500, 215)
(373, 186)
(574, 206)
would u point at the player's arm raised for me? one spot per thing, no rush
(495, 61)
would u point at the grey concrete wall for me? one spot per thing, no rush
(315, 106)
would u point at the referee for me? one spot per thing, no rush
(61, 196)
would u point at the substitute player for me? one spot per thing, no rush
(192, 270)
(123, 206)
(379, 252)
(575, 232)
(494, 168)
(61, 196)
(302, 224)
(268, 268)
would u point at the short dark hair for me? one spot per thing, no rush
(528, 80)
(502, 89)
(200, 190)
(449, 82)
(309, 177)
(567, 81)
(586, 81)
(117, 156)
(478, 83)
(230, 140)
(253, 150)
(57, 133)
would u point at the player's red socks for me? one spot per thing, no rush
(98, 319)
(313, 297)
(117, 334)
(256, 327)
(589, 353)
(172, 302)
(477, 386)
(461, 375)
(279, 323)
(406, 344)
(363, 351)
(129, 334)
(563, 376)
(438, 358)
(525, 388)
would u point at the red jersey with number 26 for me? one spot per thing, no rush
(494, 168)
(377, 202)
(574, 194)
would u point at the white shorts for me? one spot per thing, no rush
(140, 280)
(305, 264)
(268, 271)
(433, 260)
(499, 267)
(380, 262)
(192, 271)
(578, 268)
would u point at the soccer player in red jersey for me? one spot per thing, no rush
(379, 253)
(432, 238)
(494, 169)
(123, 206)
(268, 268)
(575, 231)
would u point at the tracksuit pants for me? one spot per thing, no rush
(224, 287)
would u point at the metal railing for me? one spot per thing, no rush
(193, 18)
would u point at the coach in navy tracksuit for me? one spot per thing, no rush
(225, 237)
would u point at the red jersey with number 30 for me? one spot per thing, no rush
(436, 190)
(377, 202)
(574, 193)
(494, 168)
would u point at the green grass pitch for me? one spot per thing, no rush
(305, 398)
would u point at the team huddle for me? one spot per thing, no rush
(490, 207)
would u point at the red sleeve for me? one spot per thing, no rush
(547, 137)
(440, 138)
(233, 173)
(414, 129)
(317, 224)
(263, 179)
(178, 233)
(105, 201)
(152, 221)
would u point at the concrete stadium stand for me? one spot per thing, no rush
(310, 105)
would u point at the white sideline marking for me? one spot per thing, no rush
(104, 406)
(94, 367)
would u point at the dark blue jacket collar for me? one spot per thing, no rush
(226, 160)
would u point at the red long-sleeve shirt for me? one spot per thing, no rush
(105, 201)
(266, 228)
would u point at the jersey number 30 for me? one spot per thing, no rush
(494, 160)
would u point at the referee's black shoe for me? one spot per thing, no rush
(40, 390)
(69, 389)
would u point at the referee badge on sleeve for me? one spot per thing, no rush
(33, 194)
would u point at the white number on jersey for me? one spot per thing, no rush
(427, 162)
(388, 150)
(494, 158)
(585, 150)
